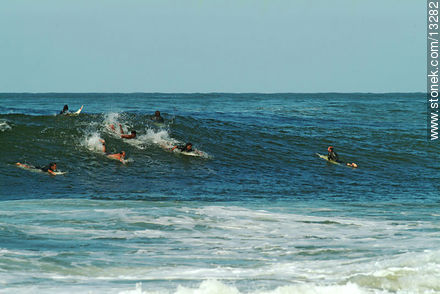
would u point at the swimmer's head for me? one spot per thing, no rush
(157, 113)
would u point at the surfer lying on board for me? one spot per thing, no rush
(157, 117)
(65, 109)
(51, 168)
(184, 148)
(332, 155)
(118, 156)
(124, 136)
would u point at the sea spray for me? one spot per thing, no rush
(160, 137)
(92, 142)
(4, 126)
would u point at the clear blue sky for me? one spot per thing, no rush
(212, 46)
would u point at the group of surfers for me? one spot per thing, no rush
(156, 118)
(51, 168)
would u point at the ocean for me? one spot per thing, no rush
(257, 212)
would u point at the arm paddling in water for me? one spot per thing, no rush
(126, 136)
(132, 134)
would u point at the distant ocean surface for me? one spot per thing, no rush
(258, 213)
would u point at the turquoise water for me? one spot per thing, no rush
(259, 212)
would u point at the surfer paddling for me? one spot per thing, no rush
(184, 148)
(132, 134)
(66, 111)
(118, 156)
(51, 168)
(333, 156)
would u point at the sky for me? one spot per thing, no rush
(186, 46)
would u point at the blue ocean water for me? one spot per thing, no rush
(258, 212)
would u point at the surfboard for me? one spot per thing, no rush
(190, 153)
(158, 124)
(325, 157)
(195, 153)
(76, 112)
(58, 172)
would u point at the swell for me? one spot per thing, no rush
(267, 152)
(266, 140)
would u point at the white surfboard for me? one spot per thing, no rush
(58, 172)
(76, 112)
(325, 157)
(190, 153)
(195, 153)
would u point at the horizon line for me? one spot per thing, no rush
(238, 93)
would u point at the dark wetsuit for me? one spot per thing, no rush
(158, 119)
(333, 156)
(44, 168)
(183, 149)
(65, 111)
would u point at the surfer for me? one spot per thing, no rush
(118, 156)
(51, 168)
(184, 148)
(157, 117)
(132, 134)
(333, 156)
(65, 109)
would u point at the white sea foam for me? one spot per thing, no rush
(4, 126)
(217, 287)
(143, 139)
(213, 286)
(111, 124)
(112, 119)
(159, 137)
(206, 287)
(222, 249)
(92, 142)
(152, 137)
